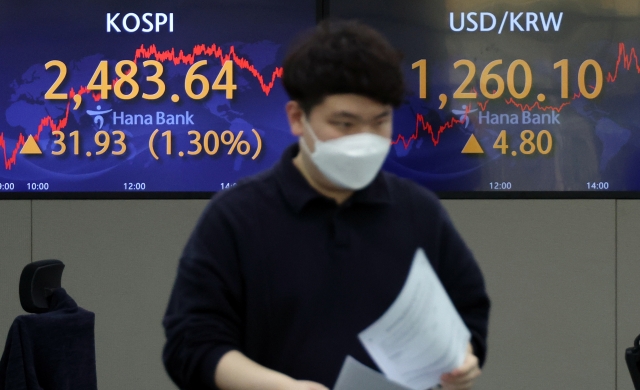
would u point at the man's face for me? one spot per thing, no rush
(336, 116)
(340, 115)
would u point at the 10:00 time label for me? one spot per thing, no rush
(38, 186)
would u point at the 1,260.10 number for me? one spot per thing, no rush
(497, 82)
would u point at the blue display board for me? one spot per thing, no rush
(176, 97)
(155, 96)
(514, 96)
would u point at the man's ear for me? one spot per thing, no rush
(294, 115)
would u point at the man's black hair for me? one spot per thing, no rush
(343, 57)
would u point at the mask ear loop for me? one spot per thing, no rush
(316, 141)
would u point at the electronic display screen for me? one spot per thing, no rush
(514, 96)
(177, 97)
(154, 96)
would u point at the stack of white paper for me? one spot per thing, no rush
(421, 336)
(356, 376)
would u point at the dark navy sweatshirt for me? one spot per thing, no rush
(289, 277)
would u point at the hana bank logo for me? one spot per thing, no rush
(98, 119)
(511, 21)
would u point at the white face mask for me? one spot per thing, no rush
(350, 161)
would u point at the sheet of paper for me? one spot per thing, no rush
(356, 376)
(421, 335)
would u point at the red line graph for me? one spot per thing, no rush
(626, 60)
(211, 51)
(426, 126)
(145, 53)
(537, 105)
(8, 162)
(47, 121)
(529, 107)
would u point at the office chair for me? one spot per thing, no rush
(38, 281)
(54, 348)
(632, 356)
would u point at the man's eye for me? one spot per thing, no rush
(344, 125)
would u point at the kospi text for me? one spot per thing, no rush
(131, 22)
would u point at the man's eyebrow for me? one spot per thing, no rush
(383, 114)
(350, 115)
(345, 114)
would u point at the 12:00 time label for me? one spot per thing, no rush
(496, 185)
(135, 186)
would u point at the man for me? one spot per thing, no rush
(286, 268)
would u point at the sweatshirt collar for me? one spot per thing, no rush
(298, 192)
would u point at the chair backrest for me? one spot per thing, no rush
(632, 356)
(54, 349)
(37, 282)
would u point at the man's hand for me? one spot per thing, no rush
(235, 371)
(462, 378)
(307, 385)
